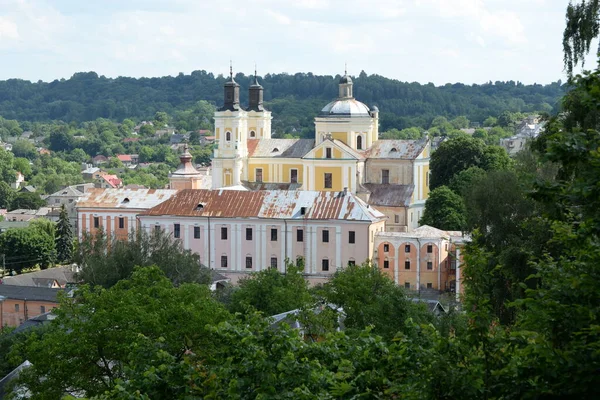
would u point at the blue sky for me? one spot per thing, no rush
(439, 41)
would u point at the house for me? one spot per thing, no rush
(292, 319)
(68, 197)
(6, 146)
(116, 210)
(22, 215)
(128, 159)
(19, 303)
(425, 259)
(19, 180)
(346, 152)
(108, 181)
(207, 140)
(43, 151)
(57, 277)
(236, 232)
(177, 138)
(99, 159)
(164, 132)
(28, 189)
(90, 173)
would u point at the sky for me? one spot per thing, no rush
(439, 41)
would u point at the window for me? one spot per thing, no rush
(96, 222)
(386, 248)
(294, 176)
(300, 235)
(259, 176)
(228, 136)
(273, 234)
(328, 152)
(386, 264)
(429, 285)
(328, 180)
(177, 231)
(248, 233)
(406, 285)
(302, 210)
(325, 265)
(121, 222)
(196, 232)
(248, 262)
(430, 248)
(407, 264)
(351, 262)
(407, 248)
(359, 142)
(396, 219)
(252, 134)
(42, 309)
(16, 308)
(156, 229)
(224, 233)
(325, 235)
(351, 237)
(274, 262)
(429, 265)
(385, 176)
(223, 261)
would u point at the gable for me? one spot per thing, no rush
(339, 151)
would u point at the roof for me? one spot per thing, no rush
(21, 211)
(272, 204)
(284, 148)
(14, 374)
(389, 195)
(345, 107)
(113, 180)
(69, 191)
(124, 198)
(35, 322)
(355, 153)
(32, 293)
(42, 278)
(433, 306)
(124, 157)
(269, 186)
(425, 232)
(397, 149)
(90, 170)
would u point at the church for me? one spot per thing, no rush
(346, 155)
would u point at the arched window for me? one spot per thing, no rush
(228, 136)
(359, 143)
(252, 134)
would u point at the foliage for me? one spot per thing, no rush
(27, 201)
(27, 247)
(581, 28)
(64, 237)
(100, 332)
(7, 195)
(105, 261)
(444, 210)
(271, 291)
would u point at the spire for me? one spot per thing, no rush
(255, 94)
(346, 68)
(230, 69)
(232, 93)
(345, 84)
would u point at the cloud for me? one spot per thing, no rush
(279, 18)
(8, 31)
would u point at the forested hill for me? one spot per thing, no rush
(293, 98)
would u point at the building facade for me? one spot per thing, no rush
(346, 154)
(236, 232)
(19, 303)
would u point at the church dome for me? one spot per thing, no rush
(345, 79)
(345, 108)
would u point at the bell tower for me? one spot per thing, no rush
(259, 118)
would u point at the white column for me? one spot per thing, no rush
(338, 247)
(458, 277)
(313, 242)
(439, 270)
(263, 234)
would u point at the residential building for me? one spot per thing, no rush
(128, 159)
(115, 210)
(23, 215)
(57, 277)
(19, 180)
(425, 259)
(236, 232)
(345, 153)
(68, 197)
(19, 303)
(108, 181)
(99, 159)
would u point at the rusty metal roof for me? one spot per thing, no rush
(272, 204)
(124, 198)
(389, 195)
(283, 148)
(271, 185)
(398, 149)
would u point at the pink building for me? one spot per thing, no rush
(236, 232)
(424, 259)
(116, 210)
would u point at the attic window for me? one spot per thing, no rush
(394, 149)
(199, 207)
(302, 210)
(125, 200)
(275, 150)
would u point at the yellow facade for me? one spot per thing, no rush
(266, 177)
(335, 153)
(342, 136)
(336, 175)
(217, 134)
(425, 180)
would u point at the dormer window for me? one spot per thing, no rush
(393, 150)
(302, 210)
(275, 150)
(125, 200)
(199, 207)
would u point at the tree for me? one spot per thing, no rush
(272, 292)
(7, 195)
(64, 237)
(27, 201)
(463, 182)
(27, 247)
(453, 156)
(460, 122)
(100, 332)
(444, 210)
(25, 149)
(105, 261)
(582, 27)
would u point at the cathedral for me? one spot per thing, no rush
(346, 155)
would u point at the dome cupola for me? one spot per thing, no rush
(232, 94)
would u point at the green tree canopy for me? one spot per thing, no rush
(444, 210)
(26, 247)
